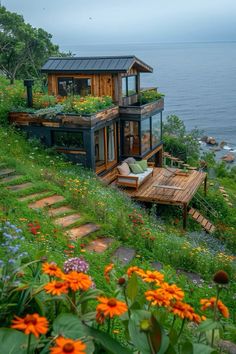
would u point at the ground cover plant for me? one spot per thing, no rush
(132, 227)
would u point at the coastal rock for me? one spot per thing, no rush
(215, 149)
(228, 158)
(204, 138)
(211, 141)
(222, 144)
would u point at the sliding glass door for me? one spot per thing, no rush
(105, 147)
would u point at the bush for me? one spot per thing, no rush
(149, 96)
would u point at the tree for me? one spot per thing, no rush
(23, 48)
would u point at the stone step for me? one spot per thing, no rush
(99, 245)
(10, 178)
(67, 220)
(19, 187)
(60, 210)
(194, 277)
(41, 203)
(124, 255)
(81, 231)
(157, 265)
(31, 196)
(6, 172)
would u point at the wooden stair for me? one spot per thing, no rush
(206, 224)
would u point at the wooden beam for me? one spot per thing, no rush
(185, 215)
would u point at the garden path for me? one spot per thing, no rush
(66, 217)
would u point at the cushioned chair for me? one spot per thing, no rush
(128, 179)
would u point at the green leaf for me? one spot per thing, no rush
(208, 325)
(12, 341)
(132, 287)
(203, 349)
(107, 342)
(165, 342)
(186, 348)
(156, 334)
(68, 325)
(138, 337)
(89, 295)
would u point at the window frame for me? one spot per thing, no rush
(127, 85)
(73, 79)
(53, 133)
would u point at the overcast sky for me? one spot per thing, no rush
(75, 22)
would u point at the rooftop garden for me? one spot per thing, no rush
(149, 96)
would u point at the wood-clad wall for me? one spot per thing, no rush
(102, 84)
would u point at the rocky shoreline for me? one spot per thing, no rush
(219, 149)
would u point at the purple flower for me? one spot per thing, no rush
(76, 264)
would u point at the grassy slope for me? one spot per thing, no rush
(105, 206)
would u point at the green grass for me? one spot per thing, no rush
(102, 205)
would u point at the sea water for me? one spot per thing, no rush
(198, 80)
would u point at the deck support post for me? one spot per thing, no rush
(185, 214)
(205, 186)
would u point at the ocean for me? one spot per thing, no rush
(198, 80)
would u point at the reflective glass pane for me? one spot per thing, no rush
(131, 138)
(82, 87)
(145, 135)
(124, 88)
(68, 140)
(99, 147)
(132, 88)
(156, 129)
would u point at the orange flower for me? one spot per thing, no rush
(107, 270)
(136, 270)
(111, 307)
(100, 317)
(31, 324)
(210, 303)
(153, 277)
(68, 346)
(185, 311)
(52, 269)
(174, 292)
(158, 297)
(56, 287)
(78, 281)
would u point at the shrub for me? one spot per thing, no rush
(149, 96)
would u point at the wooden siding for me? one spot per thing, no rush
(101, 84)
(64, 120)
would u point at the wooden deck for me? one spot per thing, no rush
(179, 189)
(168, 188)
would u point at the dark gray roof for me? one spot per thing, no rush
(94, 64)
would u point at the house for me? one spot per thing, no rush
(100, 141)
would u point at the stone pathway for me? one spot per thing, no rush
(81, 231)
(67, 220)
(19, 187)
(10, 178)
(6, 172)
(99, 245)
(124, 255)
(60, 210)
(41, 203)
(32, 196)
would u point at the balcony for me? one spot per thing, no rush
(149, 102)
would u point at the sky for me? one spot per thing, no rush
(77, 22)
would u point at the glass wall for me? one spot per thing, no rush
(99, 148)
(129, 85)
(132, 85)
(111, 146)
(131, 144)
(82, 87)
(65, 86)
(145, 135)
(156, 129)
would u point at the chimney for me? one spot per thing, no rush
(29, 84)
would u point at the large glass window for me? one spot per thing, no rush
(99, 148)
(129, 85)
(70, 85)
(111, 153)
(82, 87)
(156, 129)
(145, 135)
(131, 138)
(132, 85)
(69, 140)
(124, 87)
(65, 86)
